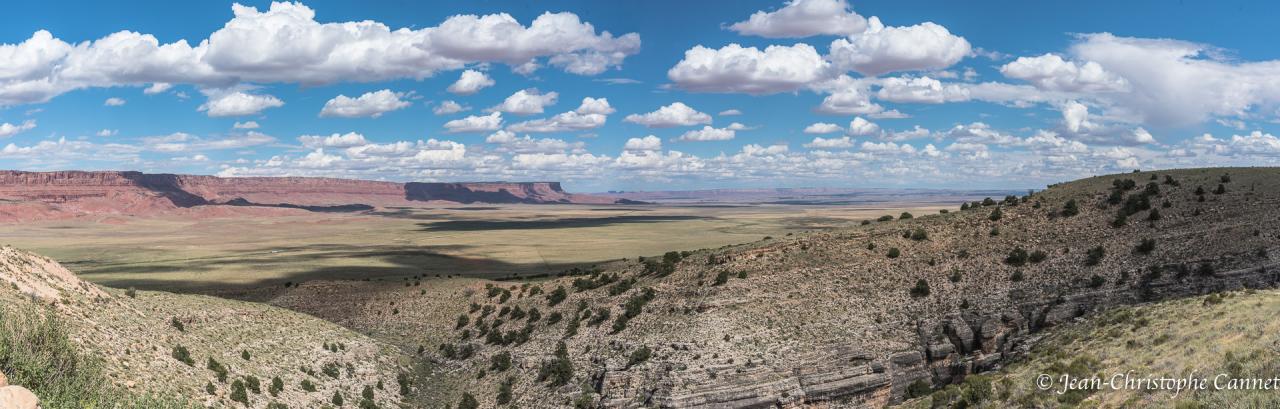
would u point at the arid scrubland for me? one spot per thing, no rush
(878, 313)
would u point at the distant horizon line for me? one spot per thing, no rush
(608, 191)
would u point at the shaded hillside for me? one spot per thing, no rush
(856, 317)
(203, 350)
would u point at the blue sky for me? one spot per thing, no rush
(831, 93)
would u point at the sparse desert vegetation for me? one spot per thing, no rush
(731, 322)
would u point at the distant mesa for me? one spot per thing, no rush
(64, 194)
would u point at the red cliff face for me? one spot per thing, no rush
(498, 192)
(294, 190)
(136, 193)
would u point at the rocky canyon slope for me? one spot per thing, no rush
(188, 348)
(857, 317)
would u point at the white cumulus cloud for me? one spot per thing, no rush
(527, 102)
(8, 129)
(734, 68)
(881, 49)
(590, 115)
(286, 44)
(707, 133)
(369, 105)
(239, 104)
(862, 127)
(676, 114)
(1051, 72)
(803, 18)
(822, 128)
(647, 143)
(470, 82)
(447, 107)
(843, 142)
(475, 123)
(346, 140)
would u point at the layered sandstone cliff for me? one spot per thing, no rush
(45, 195)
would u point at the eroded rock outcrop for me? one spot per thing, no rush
(50, 195)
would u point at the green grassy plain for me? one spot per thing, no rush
(175, 254)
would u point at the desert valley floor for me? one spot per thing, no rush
(176, 253)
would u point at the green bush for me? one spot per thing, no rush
(894, 252)
(556, 296)
(601, 315)
(307, 385)
(571, 328)
(468, 402)
(558, 371)
(639, 356)
(1095, 256)
(183, 355)
(253, 384)
(238, 393)
(402, 379)
(277, 386)
(1017, 257)
(905, 216)
(1096, 281)
(463, 320)
(919, 235)
(1070, 209)
(217, 368)
(336, 399)
(173, 322)
(1038, 256)
(921, 289)
(332, 369)
(918, 389)
(995, 215)
(245, 355)
(36, 352)
(500, 362)
(722, 278)
(884, 218)
(1146, 246)
(367, 393)
(1120, 220)
(504, 391)
(1016, 276)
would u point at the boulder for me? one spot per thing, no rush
(17, 397)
